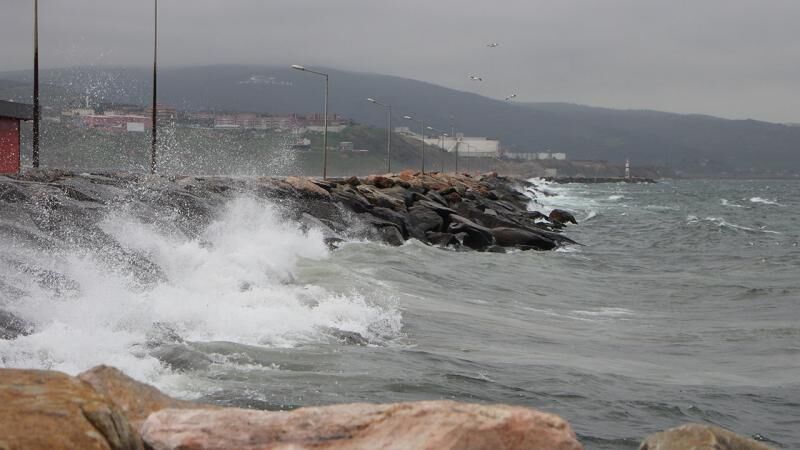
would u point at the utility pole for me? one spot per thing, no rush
(154, 128)
(36, 107)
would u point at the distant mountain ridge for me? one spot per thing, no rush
(691, 143)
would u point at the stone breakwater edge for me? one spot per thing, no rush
(103, 408)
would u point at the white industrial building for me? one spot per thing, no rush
(533, 156)
(469, 147)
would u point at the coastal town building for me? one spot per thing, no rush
(468, 147)
(534, 156)
(11, 114)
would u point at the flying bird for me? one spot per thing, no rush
(510, 97)
(493, 45)
(475, 78)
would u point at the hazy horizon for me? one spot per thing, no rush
(723, 58)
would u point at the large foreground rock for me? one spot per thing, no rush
(695, 436)
(134, 399)
(435, 425)
(51, 410)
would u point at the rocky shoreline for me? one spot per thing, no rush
(103, 408)
(484, 212)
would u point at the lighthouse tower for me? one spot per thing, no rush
(628, 169)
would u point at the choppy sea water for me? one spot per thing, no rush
(683, 305)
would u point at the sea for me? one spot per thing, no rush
(682, 304)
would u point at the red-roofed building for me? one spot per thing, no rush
(10, 116)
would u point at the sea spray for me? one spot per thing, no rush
(236, 281)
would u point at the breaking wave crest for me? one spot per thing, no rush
(237, 281)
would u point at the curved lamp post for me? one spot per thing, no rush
(388, 132)
(325, 128)
(422, 138)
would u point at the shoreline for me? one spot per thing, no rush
(459, 211)
(104, 408)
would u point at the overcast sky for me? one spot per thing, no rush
(731, 58)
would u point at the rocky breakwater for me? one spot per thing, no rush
(104, 409)
(485, 212)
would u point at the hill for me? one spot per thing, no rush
(689, 143)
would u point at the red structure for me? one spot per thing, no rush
(10, 116)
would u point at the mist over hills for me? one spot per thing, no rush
(690, 143)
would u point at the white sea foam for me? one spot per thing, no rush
(615, 197)
(765, 201)
(722, 223)
(236, 283)
(725, 202)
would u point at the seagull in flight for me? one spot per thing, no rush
(493, 45)
(510, 97)
(475, 78)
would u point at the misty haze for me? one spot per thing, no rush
(405, 225)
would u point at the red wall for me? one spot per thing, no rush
(9, 145)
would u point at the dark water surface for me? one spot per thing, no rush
(683, 305)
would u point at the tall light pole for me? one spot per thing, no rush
(36, 107)
(325, 128)
(422, 138)
(154, 128)
(388, 132)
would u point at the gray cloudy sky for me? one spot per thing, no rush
(732, 58)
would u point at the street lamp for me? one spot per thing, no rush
(422, 138)
(36, 108)
(325, 132)
(388, 132)
(154, 113)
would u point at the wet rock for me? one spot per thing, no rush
(495, 249)
(161, 333)
(377, 198)
(422, 220)
(440, 425)
(181, 357)
(352, 199)
(697, 436)
(11, 194)
(347, 337)
(393, 216)
(328, 235)
(387, 231)
(135, 400)
(306, 188)
(435, 196)
(515, 237)
(12, 327)
(476, 237)
(391, 236)
(562, 216)
(379, 181)
(442, 239)
(443, 211)
(51, 410)
(452, 198)
(353, 181)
